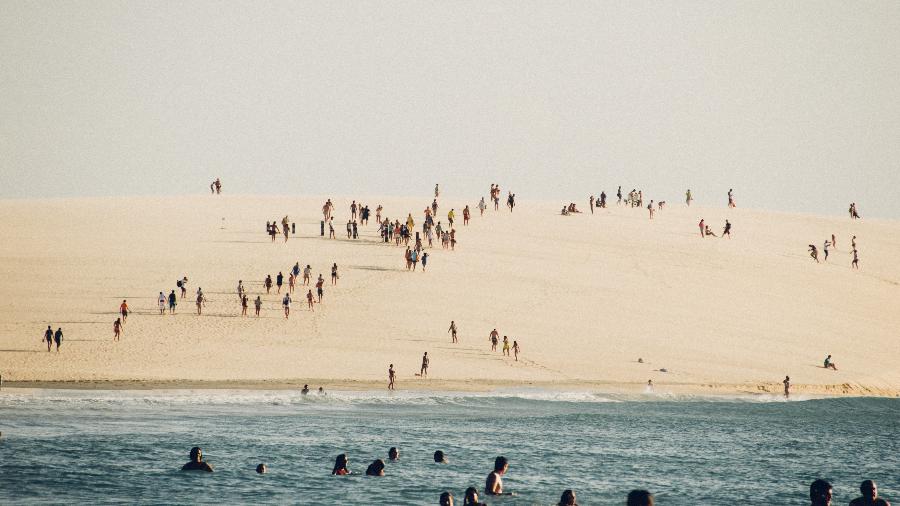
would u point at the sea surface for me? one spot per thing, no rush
(97, 447)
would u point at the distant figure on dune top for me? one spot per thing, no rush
(197, 463)
(688, 197)
(731, 198)
(854, 215)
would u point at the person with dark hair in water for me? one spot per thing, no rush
(439, 457)
(197, 463)
(568, 498)
(393, 454)
(869, 491)
(820, 493)
(446, 499)
(639, 498)
(340, 465)
(261, 469)
(376, 468)
(493, 484)
(471, 498)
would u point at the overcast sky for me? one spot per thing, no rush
(796, 105)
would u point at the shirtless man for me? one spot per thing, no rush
(197, 463)
(829, 364)
(48, 336)
(787, 386)
(869, 491)
(117, 329)
(493, 485)
(310, 300)
(452, 330)
(391, 376)
(123, 308)
(495, 336)
(425, 362)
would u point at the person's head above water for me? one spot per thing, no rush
(340, 463)
(501, 465)
(376, 468)
(196, 454)
(869, 490)
(820, 493)
(394, 453)
(471, 496)
(639, 498)
(446, 499)
(439, 457)
(568, 498)
(262, 469)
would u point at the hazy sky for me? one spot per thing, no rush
(796, 105)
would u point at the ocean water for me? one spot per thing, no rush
(96, 447)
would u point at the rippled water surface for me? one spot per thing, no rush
(127, 446)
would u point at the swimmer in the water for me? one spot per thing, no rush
(869, 491)
(820, 493)
(471, 498)
(567, 498)
(393, 454)
(197, 463)
(321, 391)
(439, 457)
(305, 390)
(446, 499)
(639, 498)
(340, 465)
(493, 484)
(261, 469)
(376, 468)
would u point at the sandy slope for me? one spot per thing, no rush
(584, 295)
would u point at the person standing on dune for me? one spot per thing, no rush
(391, 376)
(425, 362)
(258, 304)
(702, 226)
(688, 198)
(495, 337)
(452, 330)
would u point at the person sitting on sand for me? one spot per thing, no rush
(493, 484)
(820, 493)
(639, 498)
(709, 232)
(869, 491)
(471, 498)
(567, 498)
(197, 463)
(829, 364)
(376, 468)
(340, 465)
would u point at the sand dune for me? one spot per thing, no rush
(584, 295)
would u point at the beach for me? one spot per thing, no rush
(584, 295)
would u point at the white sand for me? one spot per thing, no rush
(584, 295)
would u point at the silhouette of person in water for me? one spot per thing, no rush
(197, 463)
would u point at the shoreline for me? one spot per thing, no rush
(446, 386)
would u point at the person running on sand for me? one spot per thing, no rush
(495, 337)
(505, 346)
(117, 329)
(855, 263)
(814, 253)
(727, 230)
(829, 364)
(425, 362)
(244, 303)
(493, 485)
(391, 376)
(172, 302)
(258, 304)
(334, 274)
(286, 304)
(787, 386)
(123, 308)
(58, 337)
(825, 248)
(515, 348)
(48, 336)
(702, 229)
(320, 287)
(268, 283)
(199, 302)
(452, 330)
(161, 301)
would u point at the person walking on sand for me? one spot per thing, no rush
(452, 330)
(286, 304)
(244, 303)
(279, 280)
(855, 263)
(117, 329)
(731, 198)
(787, 386)
(48, 336)
(727, 230)
(688, 198)
(292, 280)
(183, 285)
(310, 300)
(258, 304)
(391, 376)
(172, 302)
(495, 337)
(482, 206)
(505, 346)
(437, 192)
(424, 260)
(161, 301)
(650, 208)
(307, 272)
(515, 348)
(199, 302)
(702, 226)
(268, 283)
(334, 274)
(814, 253)
(58, 337)
(591, 204)
(425, 362)
(466, 215)
(825, 248)
(331, 228)
(619, 195)
(320, 287)
(123, 308)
